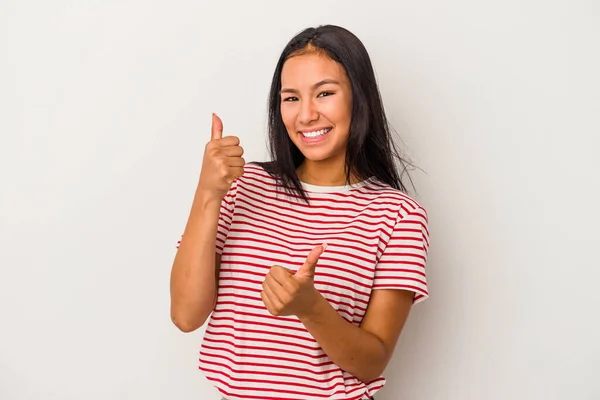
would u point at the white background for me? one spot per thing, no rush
(104, 113)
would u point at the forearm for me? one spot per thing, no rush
(193, 276)
(351, 348)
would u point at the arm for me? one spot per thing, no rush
(366, 350)
(362, 351)
(195, 271)
(194, 275)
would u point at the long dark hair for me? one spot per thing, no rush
(370, 151)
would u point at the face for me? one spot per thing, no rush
(316, 106)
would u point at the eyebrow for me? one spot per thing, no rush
(316, 85)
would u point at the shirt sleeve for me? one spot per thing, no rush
(402, 263)
(225, 217)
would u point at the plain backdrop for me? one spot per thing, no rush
(104, 113)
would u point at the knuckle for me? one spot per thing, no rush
(223, 170)
(212, 145)
(213, 153)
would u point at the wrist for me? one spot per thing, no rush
(205, 198)
(316, 310)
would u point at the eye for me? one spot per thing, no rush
(290, 99)
(325, 94)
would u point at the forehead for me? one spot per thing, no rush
(308, 69)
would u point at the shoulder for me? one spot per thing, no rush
(411, 219)
(405, 203)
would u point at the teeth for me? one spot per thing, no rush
(315, 133)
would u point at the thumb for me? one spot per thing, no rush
(308, 269)
(216, 130)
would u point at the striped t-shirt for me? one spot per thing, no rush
(376, 237)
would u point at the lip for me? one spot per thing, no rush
(315, 129)
(314, 140)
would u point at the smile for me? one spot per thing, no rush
(315, 134)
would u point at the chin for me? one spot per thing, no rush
(318, 156)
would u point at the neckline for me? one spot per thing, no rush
(334, 189)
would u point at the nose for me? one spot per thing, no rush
(308, 112)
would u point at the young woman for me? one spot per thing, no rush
(308, 265)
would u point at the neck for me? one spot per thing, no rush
(322, 173)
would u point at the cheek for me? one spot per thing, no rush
(348, 109)
(339, 112)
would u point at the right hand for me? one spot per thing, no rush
(222, 162)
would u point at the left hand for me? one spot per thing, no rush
(286, 293)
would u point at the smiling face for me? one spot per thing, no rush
(316, 106)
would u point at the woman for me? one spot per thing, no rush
(320, 254)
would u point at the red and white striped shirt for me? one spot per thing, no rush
(376, 237)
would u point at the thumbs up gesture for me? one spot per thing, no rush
(288, 293)
(222, 162)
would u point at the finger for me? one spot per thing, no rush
(267, 302)
(308, 269)
(235, 162)
(274, 300)
(216, 130)
(272, 283)
(280, 275)
(234, 173)
(231, 151)
(228, 141)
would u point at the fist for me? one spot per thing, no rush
(222, 162)
(288, 293)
